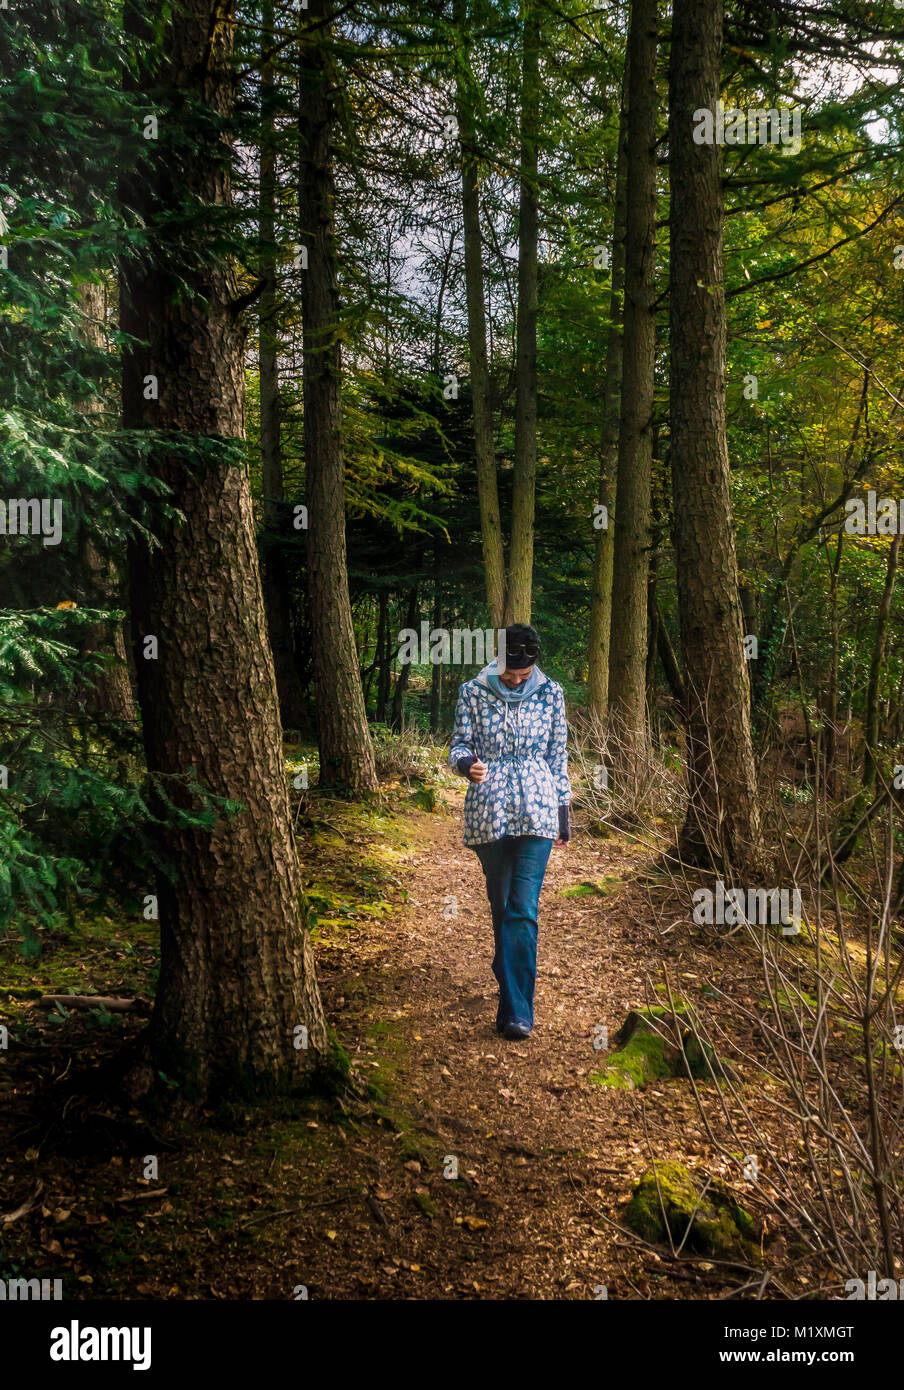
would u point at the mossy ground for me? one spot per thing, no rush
(642, 1060)
(671, 1205)
(652, 1046)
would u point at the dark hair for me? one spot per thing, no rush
(522, 646)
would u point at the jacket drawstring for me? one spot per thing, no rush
(516, 752)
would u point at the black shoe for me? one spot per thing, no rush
(516, 1032)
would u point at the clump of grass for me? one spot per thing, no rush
(412, 755)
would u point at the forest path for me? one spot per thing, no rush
(543, 1152)
(348, 1198)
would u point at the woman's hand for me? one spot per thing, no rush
(477, 771)
(560, 841)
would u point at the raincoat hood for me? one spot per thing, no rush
(488, 678)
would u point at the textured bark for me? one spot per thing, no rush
(524, 477)
(628, 641)
(877, 663)
(484, 450)
(275, 571)
(346, 753)
(604, 550)
(236, 970)
(110, 693)
(722, 821)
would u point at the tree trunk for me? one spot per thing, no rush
(346, 752)
(652, 649)
(722, 821)
(436, 670)
(484, 450)
(667, 657)
(877, 663)
(604, 550)
(524, 478)
(628, 642)
(236, 971)
(110, 693)
(397, 717)
(832, 777)
(383, 656)
(274, 567)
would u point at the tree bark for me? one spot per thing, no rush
(722, 821)
(346, 752)
(275, 571)
(524, 477)
(604, 550)
(484, 449)
(236, 969)
(110, 693)
(628, 642)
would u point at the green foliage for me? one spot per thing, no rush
(76, 809)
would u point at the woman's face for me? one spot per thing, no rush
(515, 678)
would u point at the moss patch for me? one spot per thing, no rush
(593, 887)
(649, 1047)
(669, 1202)
(642, 1060)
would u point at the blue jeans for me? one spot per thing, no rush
(514, 868)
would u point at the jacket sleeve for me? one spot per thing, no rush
(557, 749)
(461, 754)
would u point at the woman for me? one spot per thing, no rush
(509, 740)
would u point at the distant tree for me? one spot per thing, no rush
(273, 561)
(631, 560)
(346, 753)
(521, 545)
(722, 817)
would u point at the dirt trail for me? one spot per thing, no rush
(355, 1199)
(542, 1152)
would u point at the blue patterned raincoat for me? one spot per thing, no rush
(524, 744)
